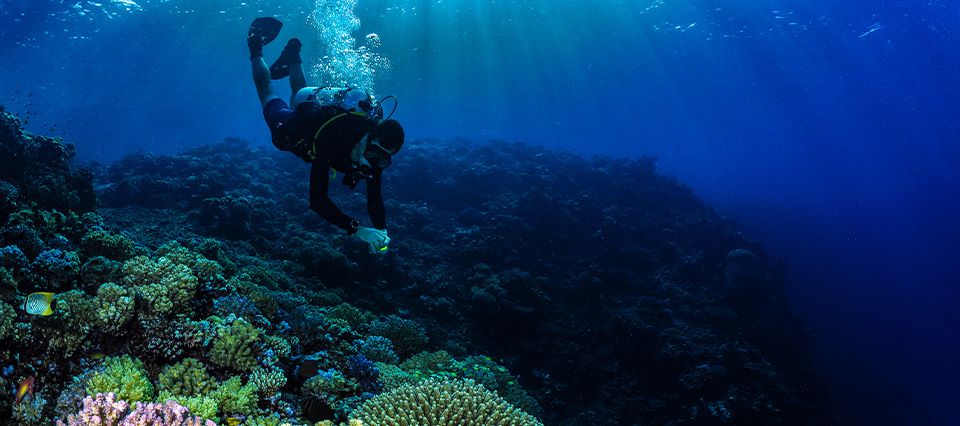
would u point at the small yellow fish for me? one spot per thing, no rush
(40, 303)
(233, 421)
(25, 387)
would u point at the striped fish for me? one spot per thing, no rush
(40, 303)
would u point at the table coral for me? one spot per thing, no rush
(440, 402)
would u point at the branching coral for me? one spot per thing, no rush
(378, 349)
(234, 397)
(201, 406)
(115, 306)
(186, 378)
(407, 336)
(329, 386)
(102, 243)
(168, 413)
(57, 268)
(441, 402)
(235, 346)
(351, 314)
(29, 411)
(7, 315)
(101, 410)
(267, 380)
(208, 272)
(426, 364)
(77, 312)
(165, 285)
(123, 376)
(97, 270)
(393, 377)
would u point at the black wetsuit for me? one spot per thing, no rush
(336, 145)
(333, 150)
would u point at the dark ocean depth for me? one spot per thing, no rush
(606, 212)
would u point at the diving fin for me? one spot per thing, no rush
(265, 28)
(289, 56)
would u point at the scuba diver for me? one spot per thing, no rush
(334, 129)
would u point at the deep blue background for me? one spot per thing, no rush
(835, 146)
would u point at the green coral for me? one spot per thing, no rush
(99, 269)
(165, 285)
(124, 376)
(267, 380)
(394, 377)
(235, 345)
(187, 378)
(281, 346)
(441, 402)
(378, 349)
(329, 386)
(7, 282)
(497, 378)
(29, 411)
(272, 420)
(351, 314)
(481, 369)
(233, 397)
(208, 272)
(426, 364)
(102, 243)
(407, 336)
(7, 315)
(77, 313)
(115, 307)
(202, 406)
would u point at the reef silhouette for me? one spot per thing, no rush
(523, 285)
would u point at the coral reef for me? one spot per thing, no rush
(235, 346)
(203, 289)
(442, 403)
(99, 410)
(124, 377)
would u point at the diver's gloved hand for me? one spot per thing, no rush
(376, 239)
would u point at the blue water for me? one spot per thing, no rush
(827, 128)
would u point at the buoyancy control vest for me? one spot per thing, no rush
(316, 108)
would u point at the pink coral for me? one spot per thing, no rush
(102, 410)
(167, 414)
(106, 410)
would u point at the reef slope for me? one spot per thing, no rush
(583, 291)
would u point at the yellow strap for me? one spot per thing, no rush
(316, 136)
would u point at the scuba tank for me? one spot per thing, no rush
(348, 99)
(318, 107)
